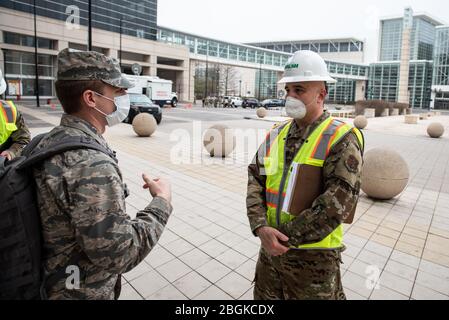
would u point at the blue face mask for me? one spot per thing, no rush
(122, 106)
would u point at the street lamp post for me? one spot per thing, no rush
(89, 29)
(207, 69)
(36, 87)
(240, 90)
(120, 53)
(260, 77)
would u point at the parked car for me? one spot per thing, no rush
(250, 103)
(226, 101)
(141, 103)
(273, 103)
(236, 102)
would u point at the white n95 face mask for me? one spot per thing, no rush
(295, 108)
(122, 105)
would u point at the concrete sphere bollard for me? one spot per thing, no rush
(144, 124)
(435, 130)
(360, 122)
(219, 141)
(385, 174)
(261, 112)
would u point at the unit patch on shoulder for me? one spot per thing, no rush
(352, 164)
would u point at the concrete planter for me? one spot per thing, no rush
(370, 113)
(386, 113)
(394, 112)
(411, 119)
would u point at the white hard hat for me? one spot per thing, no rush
(2, 83)
(304, 66)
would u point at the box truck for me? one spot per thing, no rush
(157, 89)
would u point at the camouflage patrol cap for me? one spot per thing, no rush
(90, 65)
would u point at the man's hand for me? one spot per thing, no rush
(271, 241)
(159, 187)
(6, 155)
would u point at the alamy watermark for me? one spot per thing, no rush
(372, 281)
(73, 280)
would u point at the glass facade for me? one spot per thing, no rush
(347, 69)
(442, 100)
(441, 68)
(215, 48)
(266, 84)
(420, 84)
(441, 58)
(20, 67)
(242, 53)
(391, 40)
(139, 18)
(423, 39)
(421, 42)
(383, 82)
(27, 41)
(317, 46)
(266, 80)
(342, 92)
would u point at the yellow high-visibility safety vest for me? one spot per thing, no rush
(313, 152)
(8, 116)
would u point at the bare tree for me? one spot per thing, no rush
(228, 80)
(222, 80)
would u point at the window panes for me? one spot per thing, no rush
(233, 52)
(242, 54)
(202, 46)
(391, 40)
(213, 48)
(27, 41)
(441, 61)
(324, 47)
(224, 50)
(251, 55)
(344, 47)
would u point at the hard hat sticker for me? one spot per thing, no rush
(292, 66)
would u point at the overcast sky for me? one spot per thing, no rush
(265, 20)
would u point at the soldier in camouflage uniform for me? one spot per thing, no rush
(14, 142)
(283, 271)
(81, 194)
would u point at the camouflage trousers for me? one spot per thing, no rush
(299, 275)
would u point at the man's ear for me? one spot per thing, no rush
(88, 98)
(322, 95)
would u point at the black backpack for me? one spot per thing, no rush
(20, 228)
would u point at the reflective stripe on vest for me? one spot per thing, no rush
(265, 149)
(313, 152)
(8, 116)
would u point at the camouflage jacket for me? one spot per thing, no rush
(342, 178)
(81, 198)
(18, 139)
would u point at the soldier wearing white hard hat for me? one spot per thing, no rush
(304, 183)
(14, 134)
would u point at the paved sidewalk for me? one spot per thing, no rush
(208, 252)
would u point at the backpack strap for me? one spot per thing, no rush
(33, 144)
(35, 156)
